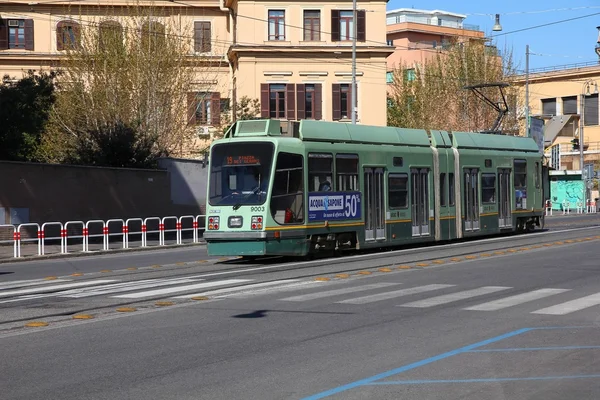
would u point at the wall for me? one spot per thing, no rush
(189, 180)
(63, 193)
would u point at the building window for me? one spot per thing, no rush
(590, 116)
(277, 101)
(309, 99)
(68, 35)
(569, 105)
(389, 77)
(202, 36)
(204, 108)
(342, 25)
(409, 74)
(276, 25)
(549, 107)
(110, 36)
(16, 34)
(153, 35)
(342, 101)
(312, 25)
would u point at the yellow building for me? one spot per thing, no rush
(294, 57)
(564, 97)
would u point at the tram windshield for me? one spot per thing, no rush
(239, 173)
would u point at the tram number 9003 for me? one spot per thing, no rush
(257, 209)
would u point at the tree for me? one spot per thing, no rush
(247, 108)
(25, 107)
(432, 96)
(130, 70)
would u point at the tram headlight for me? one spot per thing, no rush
(235, 222)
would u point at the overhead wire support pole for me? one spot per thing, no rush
(527, 91)
(354, 32)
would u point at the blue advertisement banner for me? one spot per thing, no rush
(334, 206)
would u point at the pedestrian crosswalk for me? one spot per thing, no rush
(540, 301)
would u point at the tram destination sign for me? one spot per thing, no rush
(334, 206)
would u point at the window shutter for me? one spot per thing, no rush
(318, 101)
(335, 25)
(215, 109)
(28, 34)
(361, 25)
(301, 100)
(206, 38)
(59, 36)
(336, 102)
(264, 100)
(197, 36)
(191, 106)
(3, 35)
(290, 101)
(77, 34)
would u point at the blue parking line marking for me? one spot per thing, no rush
(484, 380)
(414, 365)
(533, 349)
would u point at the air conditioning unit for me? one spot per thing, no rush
(203, 131)
(13, 22)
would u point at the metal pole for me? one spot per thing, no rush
(527, 91)
(581, 123)
(354, 31)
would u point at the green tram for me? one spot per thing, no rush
(328, 186)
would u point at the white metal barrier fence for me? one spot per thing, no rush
(132, 227)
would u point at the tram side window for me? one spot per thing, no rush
(451, 189)
(287, 200)
(398, 190)
(443, 189)
(488, 188)
(320, 172)
(520, 180)
(346, 169)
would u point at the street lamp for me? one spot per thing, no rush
(587, 86)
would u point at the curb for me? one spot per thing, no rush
(97, 252)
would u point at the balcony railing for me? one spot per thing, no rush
(399, 19)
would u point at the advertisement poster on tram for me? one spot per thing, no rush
(334, 206)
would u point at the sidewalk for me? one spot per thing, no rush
(29, 250)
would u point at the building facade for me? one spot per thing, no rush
(293, 57)
(566, 98)
(419, 35)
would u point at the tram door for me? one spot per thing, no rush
(504, 213)
(420, 201)
(374, 204)
(471, 194)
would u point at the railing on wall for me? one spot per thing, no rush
(98, 235)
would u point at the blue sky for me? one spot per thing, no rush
(563, 43)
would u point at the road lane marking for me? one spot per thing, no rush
(54, 287)
(176, 289)
(571, 306)
(393, 294)
(516, 300)
(25, 283)
(124, 287)
(330, 293)
(452, 297)
(235, 289)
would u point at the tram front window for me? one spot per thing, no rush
(239, 173)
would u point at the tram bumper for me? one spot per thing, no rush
(236, 243)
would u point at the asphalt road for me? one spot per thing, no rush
(501, 318)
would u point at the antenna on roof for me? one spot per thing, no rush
(502, 108)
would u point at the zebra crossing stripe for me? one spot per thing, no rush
(330, 293)
(571, 306)
(393, 294)
(516, 300)
(452, 297)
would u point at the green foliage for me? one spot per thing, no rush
(432, 95)
(25, 107)
(247, 108)
(115, 145)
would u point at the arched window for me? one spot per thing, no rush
(153, 35)
(68, 35)
(110, 35)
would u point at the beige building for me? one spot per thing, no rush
(294, 57)
(564, 97)
(419, 35)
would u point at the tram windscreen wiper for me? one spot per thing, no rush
(238, 205)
